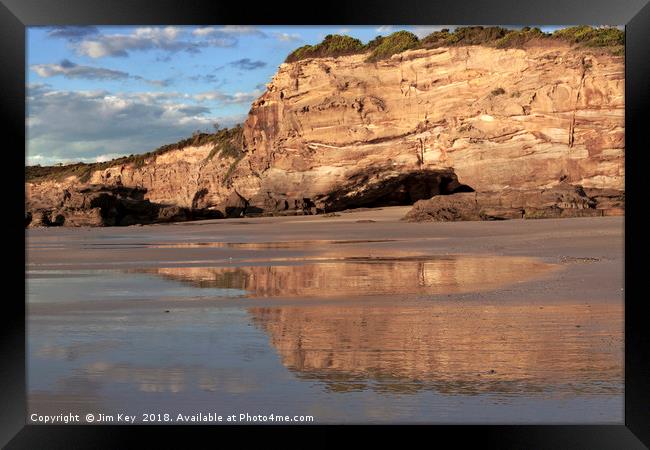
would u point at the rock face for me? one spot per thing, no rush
(98, 205)
(523, 119)
(563, 200)
(335, 133)
(188, 178)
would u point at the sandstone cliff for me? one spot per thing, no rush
(343, 132)
(335, 133)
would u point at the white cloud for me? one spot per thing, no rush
(65, 126)
(227, 99)
(157, 33)
(247, 64)
(228, 30)
(143, 39)
(242, 29)
(72, 33)
(69, 69)
(286, 37)
(204, 31)
(159, 83)
(423, 31)
(45, 160)
(106, 157)
(384, 29)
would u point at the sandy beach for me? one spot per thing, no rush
(356, 317)
(301, 224)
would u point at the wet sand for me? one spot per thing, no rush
(356, 318)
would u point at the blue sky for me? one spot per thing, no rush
(95, 93)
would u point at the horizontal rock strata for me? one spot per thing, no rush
(336, 133)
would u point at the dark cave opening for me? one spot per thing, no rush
(404, 189)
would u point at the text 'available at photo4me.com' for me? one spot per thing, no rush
(169, 418)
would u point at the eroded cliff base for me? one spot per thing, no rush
(98, 205)
(564, 200)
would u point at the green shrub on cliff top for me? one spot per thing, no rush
(58, 173)
(518, 38)
(392, 44)
(333, 45)
(340, 45)
(592, 37)
(476, 35)
(384, 47)
(437, 39)
(373, 44)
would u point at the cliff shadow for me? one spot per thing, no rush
(372, 190)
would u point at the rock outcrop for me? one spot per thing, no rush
(563, 200)
(98, 205)
(475, 121)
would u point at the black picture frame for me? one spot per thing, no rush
(16, 15)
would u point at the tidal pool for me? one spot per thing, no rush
(361, 275)
(364, 338)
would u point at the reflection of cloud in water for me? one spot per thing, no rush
(452, 347)
(171, 379)
(355, 276)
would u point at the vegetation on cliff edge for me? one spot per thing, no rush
(382, 47)
(332, 45)
(395, 43)
(227, 144)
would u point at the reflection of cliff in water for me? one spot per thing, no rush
(452, 347)
(354, 276)
(447, 345)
